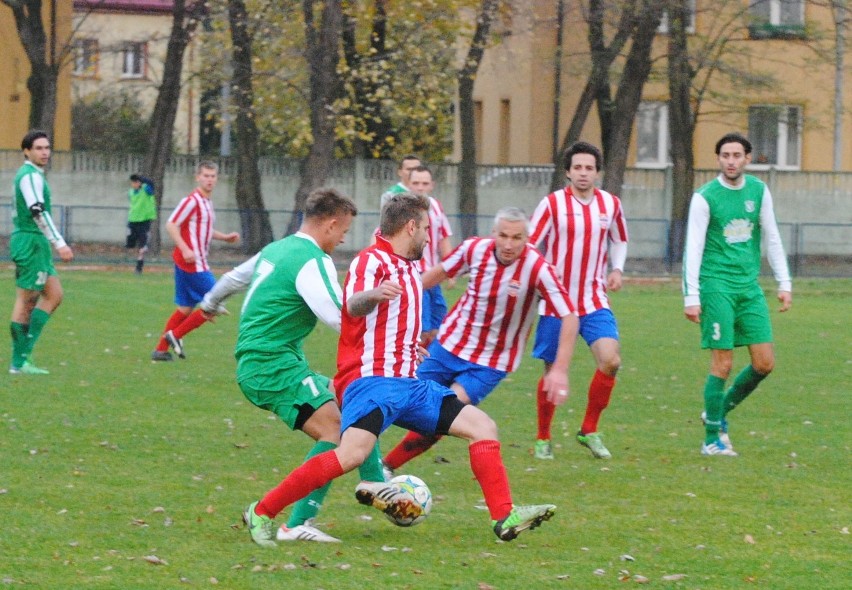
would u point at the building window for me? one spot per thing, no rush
(86, 57)
(777, 19)
(663, 29)
(776, 135)
(133, 60)
(652, 134)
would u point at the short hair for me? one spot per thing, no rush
(423, 168)
(583, 147)
(323, 203)
(399, 210)
(32, 135)
(734, 137)
(135, 178)
(207, 164)
(512, 214)
(408, 157)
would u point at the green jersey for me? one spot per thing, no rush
(294, 283)
(32, 196)
(396, 189)
(723, 242)
(143, 205)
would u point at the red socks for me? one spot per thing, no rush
(312, 474)
(545, 412)
(174, 321)
(413, 445)
(600, 391)
(192, 321)
(487, 466)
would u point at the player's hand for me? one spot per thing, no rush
(451, 283)
(613, 280)
(66, 254)
(422, 353)
(231, 238)
(556, 385)
(786, 299)
(692, 313)
(388, 291)
(188, 255)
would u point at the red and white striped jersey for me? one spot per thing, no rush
(194, 216)
(439, 228)
(576, 238)
(490, 323)
(385, 342)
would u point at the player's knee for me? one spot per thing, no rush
(485, 428)
(610, 365)
(351, 457)
(764, 365)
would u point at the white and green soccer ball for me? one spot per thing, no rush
(417, 489)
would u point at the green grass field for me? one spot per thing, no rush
(120, 473)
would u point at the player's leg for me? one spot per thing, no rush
(19, 325)
(184, 307)
(143, 232)
(48, 301)
(754, 329)
(717, 334)
(600, 331)
(546, 344)
(197, 285)
(38, 294)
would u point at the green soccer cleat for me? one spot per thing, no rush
(261, 528)
(543, 450)
(27, 369)
(522, 518)
(594, 442)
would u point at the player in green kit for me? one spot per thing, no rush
(729, 218)
(38, 290)
(294, 283)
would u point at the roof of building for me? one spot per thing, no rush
(127, 6)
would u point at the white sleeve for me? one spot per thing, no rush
(617, 255)
(32, 189)
(772, 243)
(693, 251)
(320, 289)
(230, 283)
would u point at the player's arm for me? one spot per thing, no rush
(363, 302)
(231, 238)
(317, 284)
(775, 251)
(32, 188)
(693, 254)
(173, 229)
(617, 257)
(556, 379)
(434, 276)
(232, 282)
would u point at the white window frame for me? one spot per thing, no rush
(86, 63)
(783, 157)
(775, 13)
(663, 140)
(128, 61)
(663, 29)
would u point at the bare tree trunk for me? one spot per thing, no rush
(681, 128)
(163, 117)
(468, 197)
(322, 51)
(629, 94)
(256, 228)
(44, 72)
(840, 18)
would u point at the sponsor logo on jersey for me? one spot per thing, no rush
(749, 206)
(514, 287)
(604, 218)
(738, 231)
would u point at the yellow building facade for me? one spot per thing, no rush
(788, 46)
(15, 69)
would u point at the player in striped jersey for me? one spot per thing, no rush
(483, 337)
(191, 228)
(729, 217)
(38, 291)
(434, 304)
(581, 229)
(377, 356)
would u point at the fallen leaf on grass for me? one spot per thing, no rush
(673, 577)
(749, 539)
(599, 572)
(627, 557)
(563, 576)
(153, 559)
(389, 548)
(640, 579)
(484, 586)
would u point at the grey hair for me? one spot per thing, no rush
(512, 214)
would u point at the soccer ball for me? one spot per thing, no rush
(418, 490)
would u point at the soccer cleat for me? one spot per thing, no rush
(723, 430)
(161, 355)
(594, 442)
(522, 518)
(543, 450)
(304, 532)
(717, 447)
(387, 472)
(27, 369)
(175, 342)
(389, 499)
(261, 528)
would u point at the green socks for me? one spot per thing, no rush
(38, 319)
(309, 506)
(714, 392)
(371, 468)
(19, 343)
(746, 382)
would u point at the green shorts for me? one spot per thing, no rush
(729, 320)
(283, 385)
(33, 260)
